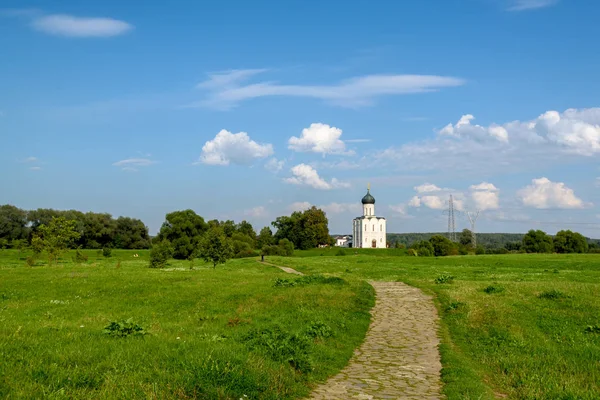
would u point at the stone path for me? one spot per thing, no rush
(284, 269)
(399, 358)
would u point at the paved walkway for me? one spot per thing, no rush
(284, 269)
(399, 358)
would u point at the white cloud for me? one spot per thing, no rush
(319, 138)
(236, 148)
(30, 159)
(434, 202)
(486, 196)
(35, 168)
(427, 188)
(399, 208)
(523, 5)
(551, 137)
(415, 201)
(274, 165)
(224, 93)
(256, 212)
(307, 175)
(300, 206)
(543, 193)
(357, 140)
(71, 26)
(132, 164)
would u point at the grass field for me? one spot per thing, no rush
(512, 326)
(212, 333)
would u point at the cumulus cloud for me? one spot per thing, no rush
(524, 5)
(354, 92)
(132, 164)
(306, 175)
(319, 138)
(274, 165)
(256, 212)
(485, 196)
(543, 193)
(571, 135)
(236, 148)
(398, 208)
(415, 201)
(68, 25)
(427, 188)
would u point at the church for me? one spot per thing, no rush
(369, 230)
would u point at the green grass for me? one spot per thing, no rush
(212, 333)
(512, 326)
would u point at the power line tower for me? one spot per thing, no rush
(451, 223)
(472, 215)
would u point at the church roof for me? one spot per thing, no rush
(368, 199)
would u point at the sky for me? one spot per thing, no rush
(252, 110)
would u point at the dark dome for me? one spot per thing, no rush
(368, 199)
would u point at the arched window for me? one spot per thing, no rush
(373, 228)
(381, 227)
(365, 228)
(380, 239)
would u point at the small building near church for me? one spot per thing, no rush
(369, 230)
(343, 241)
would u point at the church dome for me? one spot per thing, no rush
(368, 199)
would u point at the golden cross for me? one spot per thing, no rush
(369, 186)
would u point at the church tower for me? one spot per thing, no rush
(369, 231)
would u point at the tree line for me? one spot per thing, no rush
(534, 241)
(95, 230)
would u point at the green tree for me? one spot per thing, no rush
(265, 238)
(570, 242)
(442, 246)
(246, 228)
(215, 247)
(13, 223)
(160, 253)
(3, 243)
(98, 230)
(131, 233)
(57, 236)
(423, 248)
(287, 247)
(184, 229)
(306, 230)
(466, 237)
(537, 241)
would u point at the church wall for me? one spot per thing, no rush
(375, 229)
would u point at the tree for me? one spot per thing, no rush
(570, 242)
(537, 241)
(131, 233)
(466, 237)
(442, 246)
(287, 247)
(184, 229)
(160, 254)
(215, 247)
(306, 230)
(57, 236)
(13, 223)
(423, 248)
(265, 238)
(98, 230)
(246, 228)
(19, 244)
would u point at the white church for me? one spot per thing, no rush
(369, 231)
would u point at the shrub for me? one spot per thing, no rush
(479, 250)
(247, 253)
(493, 289)
(160, 254)
(287, 247)
(107, 252)
(412, 252)
(80, 256)
(30, 261)
(444, 279)
(425, 252)
(340, 252)
(124, 328)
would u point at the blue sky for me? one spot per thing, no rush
(249, 110)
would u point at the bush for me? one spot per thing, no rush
(444, 279)
(30, 261)
(160, 254)
(287, 246)
(107, 252)
(412, 252)
(340, 252)
(124, 328)
(80, 257)
(246, 254)
(479, 250)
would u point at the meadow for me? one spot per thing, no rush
(237, 331)
(514, 326)
(518, 326)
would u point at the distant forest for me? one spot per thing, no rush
(487, 240)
